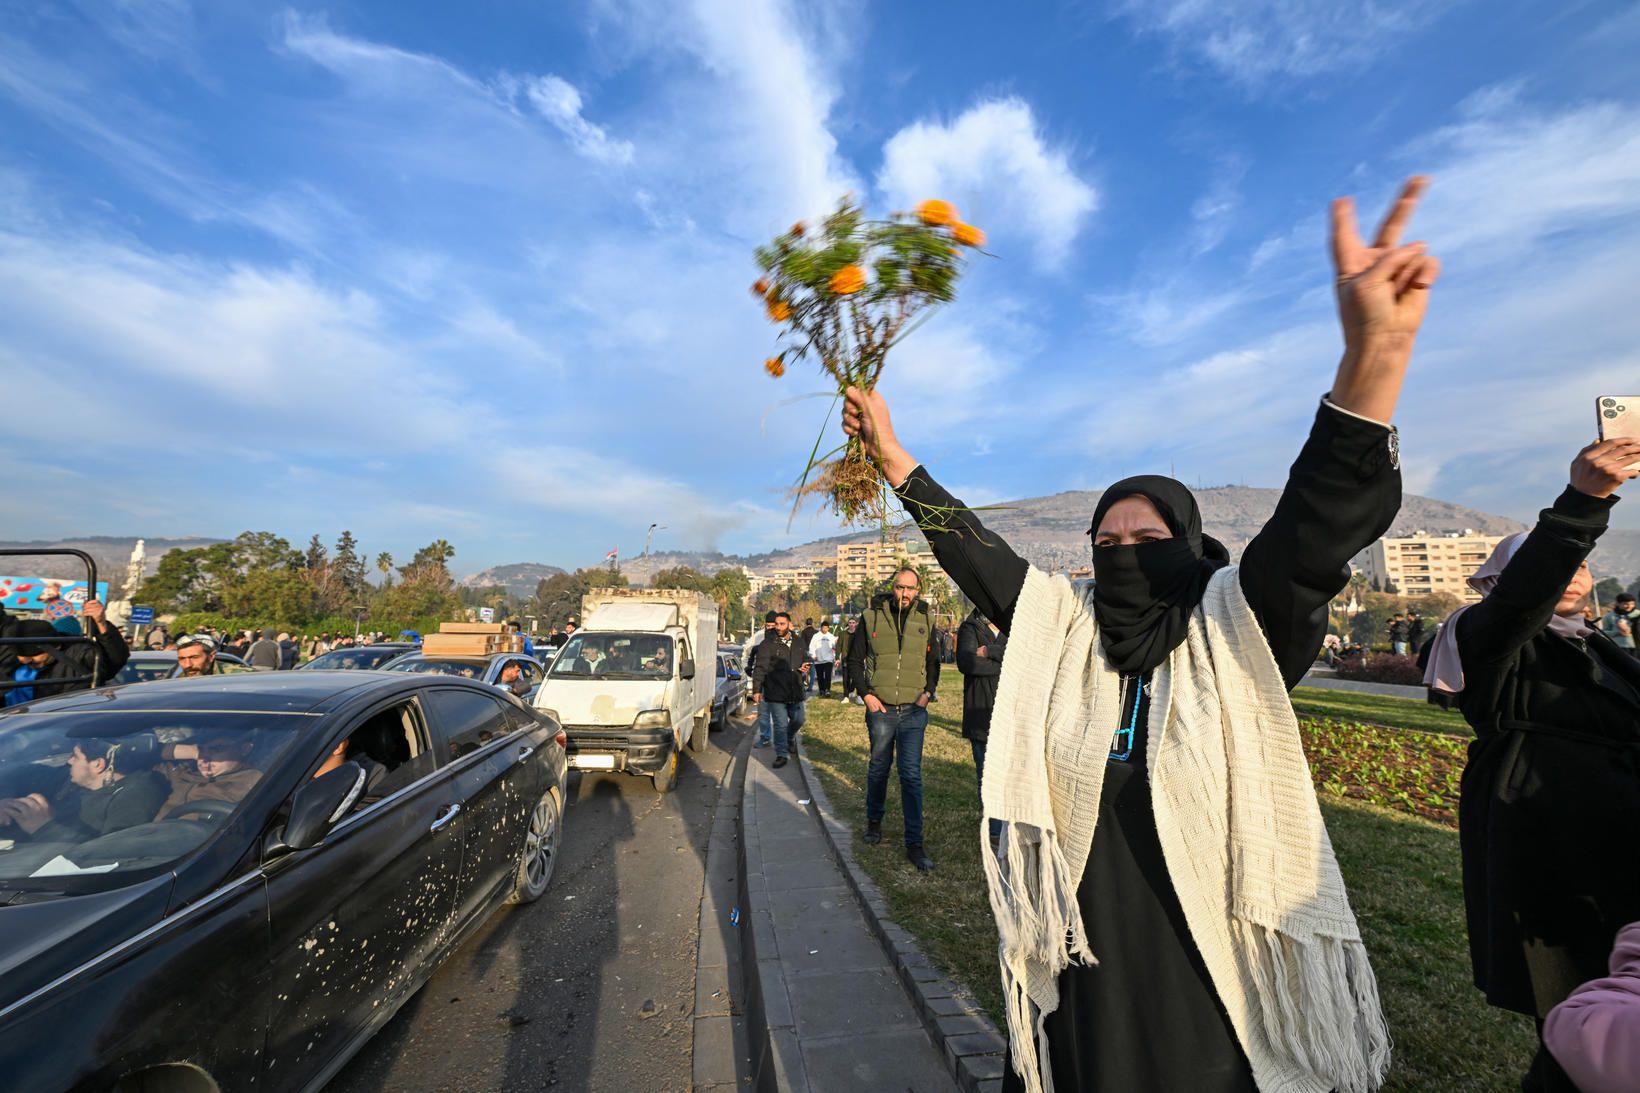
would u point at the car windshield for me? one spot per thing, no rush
(141, 669)
(92, 800)
(364, 657)
(615, 656)
(442, 666)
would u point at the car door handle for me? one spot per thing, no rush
(525, 752)
(444, 819)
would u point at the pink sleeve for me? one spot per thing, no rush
(1595, 1033)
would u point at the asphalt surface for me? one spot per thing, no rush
(593, 986)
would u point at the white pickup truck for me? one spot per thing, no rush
(635, 683)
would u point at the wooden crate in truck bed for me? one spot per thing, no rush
(457, 645)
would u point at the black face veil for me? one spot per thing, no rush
(1143, 595)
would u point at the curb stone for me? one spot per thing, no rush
(722, 1017)
(970, 1043)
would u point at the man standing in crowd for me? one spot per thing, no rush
(748, 657)
(851, 650)
(979, 658)
(1619, 623)
(263, 654)
(288, 653)
(41, 666)
(1415, 632)
(778, 679)
(1397, 630)
(823, 652)
(900, 674)
(806, 637)
(555, 638)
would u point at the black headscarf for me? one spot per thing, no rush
(1143, 595)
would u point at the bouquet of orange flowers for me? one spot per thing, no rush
(844, 292)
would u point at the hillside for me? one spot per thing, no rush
(112, 553)
(1051, 531)
(519, 579)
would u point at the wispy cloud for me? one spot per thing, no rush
(995, 162)
(1254, 42)
(560, 103)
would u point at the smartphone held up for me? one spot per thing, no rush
(1618, 416)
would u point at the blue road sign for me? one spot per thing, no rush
(142, 616)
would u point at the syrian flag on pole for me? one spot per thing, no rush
(610, 557)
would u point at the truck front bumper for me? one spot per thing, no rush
(606, 747)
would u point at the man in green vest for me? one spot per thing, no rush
(898, 681)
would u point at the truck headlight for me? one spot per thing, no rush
(653, 719)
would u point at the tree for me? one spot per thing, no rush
(384, 563)
(317, 556)
(682, 576)
(349, 565)
(429, 562)
(558, 597)
(1606, 590)
(599, 577)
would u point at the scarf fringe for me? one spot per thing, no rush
(1319, 1004)
(1039, 930)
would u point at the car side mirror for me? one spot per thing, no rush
(319, 804)
(686, 669)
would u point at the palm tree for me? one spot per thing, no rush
(384, 562)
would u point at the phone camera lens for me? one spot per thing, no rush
(1610, 413)
(1608, 402)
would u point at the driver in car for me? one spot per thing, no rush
(512, 679)
(217, 772)
(97, 798)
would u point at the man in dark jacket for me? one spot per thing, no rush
(779, 672)
(979, 658)
(806, 636)
(899, 675)
(40, 668)
(1397, 630)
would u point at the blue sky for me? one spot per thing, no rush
(480, 272)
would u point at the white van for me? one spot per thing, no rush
(634, 685)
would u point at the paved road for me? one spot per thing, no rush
(593, 987)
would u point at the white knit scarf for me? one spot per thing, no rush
(1236, 816)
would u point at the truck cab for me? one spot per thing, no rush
(635, 685)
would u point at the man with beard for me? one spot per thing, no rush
(196, 656)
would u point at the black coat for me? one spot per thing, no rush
(69, 661)
(979, 673)
(1550, 812)
(777, 668)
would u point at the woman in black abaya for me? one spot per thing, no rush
(1147, 1016)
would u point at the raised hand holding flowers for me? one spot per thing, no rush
(844, 293)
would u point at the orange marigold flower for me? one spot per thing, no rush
(968, 235)
(779, 310)
(761, 287)
(847, 280)
(937, 213)
(775, 367)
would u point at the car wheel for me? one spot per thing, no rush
(699, 730)
(540, 857)
(668, 774)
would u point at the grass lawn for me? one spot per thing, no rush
(1400, 713)
(1402, 871)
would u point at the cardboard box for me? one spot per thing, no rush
(456, 645)
(471, 628)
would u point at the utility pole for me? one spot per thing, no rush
(653, 528)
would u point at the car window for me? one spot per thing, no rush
(528, 670)
(393, 747)
(464, 721)
(92, 800)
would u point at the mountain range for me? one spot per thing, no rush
(1050, 532)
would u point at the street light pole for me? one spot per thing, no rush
(653, 528)
(359, 610)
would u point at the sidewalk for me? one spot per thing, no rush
(826, 1009)
(1333, 683)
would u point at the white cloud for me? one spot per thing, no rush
(560, 103)
(1256, 41)
(993, 161)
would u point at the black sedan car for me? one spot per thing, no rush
(231, 884)
(359, 657)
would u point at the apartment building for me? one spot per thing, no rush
(1416, 565)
